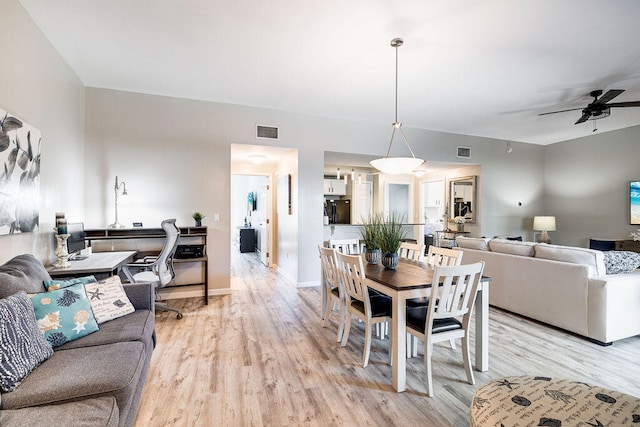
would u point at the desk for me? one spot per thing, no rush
(96, 263)
(413, 280)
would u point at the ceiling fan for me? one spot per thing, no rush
(599, 109)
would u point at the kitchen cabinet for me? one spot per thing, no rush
(434, 194)
(335, 187)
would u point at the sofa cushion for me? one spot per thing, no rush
(64, 314)
(22, 345)
(513, 247)
(589, 257)
(621, 261)
(108, 299)
(22, 273)
(137, 326)
(101, 411)
(81, 373)
(479, 243)
(52, 285)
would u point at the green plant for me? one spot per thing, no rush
(370, 230)
(197, 216)
(391, 233)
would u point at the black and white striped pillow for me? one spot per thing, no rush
(22, 345)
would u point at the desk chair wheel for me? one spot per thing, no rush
(179, 316)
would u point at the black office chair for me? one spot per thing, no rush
(158, 270)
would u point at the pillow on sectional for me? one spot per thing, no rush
(52, 285)
(621, 261)
(108, 299)
(23, 345)
(64, 315)
(478, 243)
(513, 247)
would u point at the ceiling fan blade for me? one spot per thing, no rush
(586, 114)
(561, 111)
(609, 96)
(624, 104)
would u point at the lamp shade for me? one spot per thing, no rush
(396, 165)
(544, 223)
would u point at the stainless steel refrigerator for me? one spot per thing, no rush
(338, 211)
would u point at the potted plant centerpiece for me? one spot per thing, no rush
(198, 217)
(370, 236)
(391, 234)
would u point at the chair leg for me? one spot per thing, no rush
(347, 327)
(467, 359)
(415, 346)
(342, 320)
(367, 344)
(165, 307)
(409, 345)
(453, 344)
(427, 367)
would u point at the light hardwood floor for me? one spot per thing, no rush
(260, 357)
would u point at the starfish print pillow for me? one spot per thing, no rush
(64, 315)
(108, 299)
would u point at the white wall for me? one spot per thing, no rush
(37, 86)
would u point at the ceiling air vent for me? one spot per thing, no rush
(464, 152)
(266, 132)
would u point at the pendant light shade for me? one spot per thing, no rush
(397, 165)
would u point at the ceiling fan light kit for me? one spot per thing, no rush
(599, 108)
(397, 165)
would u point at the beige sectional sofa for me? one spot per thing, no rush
(563, 286)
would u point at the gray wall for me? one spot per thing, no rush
(37, 86)
(586, 185)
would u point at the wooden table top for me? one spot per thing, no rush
(407, 275)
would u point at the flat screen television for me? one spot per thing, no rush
(76, 241)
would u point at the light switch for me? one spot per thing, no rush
(216, 217)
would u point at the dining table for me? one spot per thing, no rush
(413, 280)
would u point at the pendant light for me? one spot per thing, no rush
(397, 165)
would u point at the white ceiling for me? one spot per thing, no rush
(485, 68)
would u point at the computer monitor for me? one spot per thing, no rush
(76, 240)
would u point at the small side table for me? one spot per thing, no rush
(444, 236)
(541, 401)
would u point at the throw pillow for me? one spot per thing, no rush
(108, 299)
(52, 285)
(621, 261)
(64, 315)
(23, 345)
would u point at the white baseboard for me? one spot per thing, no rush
(310, 284)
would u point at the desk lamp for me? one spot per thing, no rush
(544, 224)
(116, 224)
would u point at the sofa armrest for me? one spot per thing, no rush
(141, 295)
(613, 306)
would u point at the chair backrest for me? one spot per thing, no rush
(351, 269)
(456, 294)
(164, 263)
(329, 267)
(443, 256)
(346, 246)
(411, 251)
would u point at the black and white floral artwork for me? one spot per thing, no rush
(20, 175)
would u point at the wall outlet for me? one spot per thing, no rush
(216, 217)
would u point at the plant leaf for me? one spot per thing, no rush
(4, 141)
(10, 123)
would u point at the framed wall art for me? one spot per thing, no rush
(20, 175)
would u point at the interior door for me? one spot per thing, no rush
(265, 223)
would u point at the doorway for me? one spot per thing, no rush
(251, 215)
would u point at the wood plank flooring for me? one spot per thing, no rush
(260, 357)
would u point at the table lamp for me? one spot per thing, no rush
(544, 224)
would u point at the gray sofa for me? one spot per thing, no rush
(563, 286)
(95, 380)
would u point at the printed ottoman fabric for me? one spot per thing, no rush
(541, 401)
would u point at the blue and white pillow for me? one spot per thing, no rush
(621, 261)
(52, 285)
(64, 315)
(23, 346)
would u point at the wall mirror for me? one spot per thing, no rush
(462, 198)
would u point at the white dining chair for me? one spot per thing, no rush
(367, 306)
(332, 286)
(411, 251)
(448, 314)
(346, 246)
